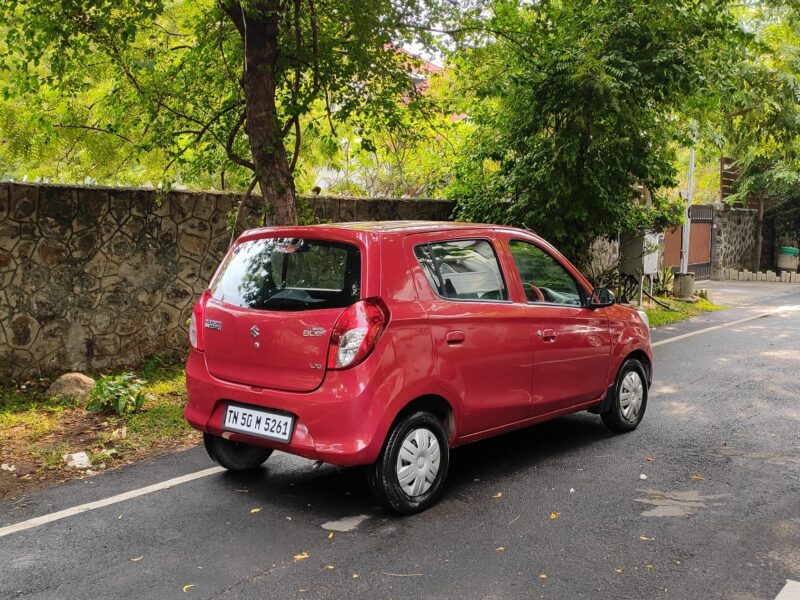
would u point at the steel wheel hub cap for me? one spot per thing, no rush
(418, 462)
(631, 394)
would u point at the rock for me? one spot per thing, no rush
(72, 385)
(77, 460)
(120, 434)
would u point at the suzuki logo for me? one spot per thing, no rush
(254, 331)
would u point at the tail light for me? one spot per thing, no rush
(356, 332)
(196, 323)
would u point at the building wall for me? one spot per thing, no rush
(733, 245)
(93, 278)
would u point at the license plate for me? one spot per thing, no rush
(262, 423)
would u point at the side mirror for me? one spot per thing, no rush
(601, 297)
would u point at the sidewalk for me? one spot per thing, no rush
(742, 293)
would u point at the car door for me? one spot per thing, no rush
(483, 350)
(572, 343)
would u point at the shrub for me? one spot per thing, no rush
(120, 393)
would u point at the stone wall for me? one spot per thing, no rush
(734, 239)
(93, 278)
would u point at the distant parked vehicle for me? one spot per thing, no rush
(387, 344)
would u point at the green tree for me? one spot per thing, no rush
(211, 86)
(759, 121)
(579, 104)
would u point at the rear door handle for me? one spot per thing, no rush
(548, 335)
(455, 337)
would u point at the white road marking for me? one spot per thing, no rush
(63, 514)
(791, 591)
(708, 329)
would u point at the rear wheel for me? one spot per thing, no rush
(235, 456)
(409, 475)
(627, 407)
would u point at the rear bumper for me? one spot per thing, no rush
(336, 423)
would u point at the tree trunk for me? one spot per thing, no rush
(259, 29)
(759, 232)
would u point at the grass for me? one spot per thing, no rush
(682, 310)
(35, 431)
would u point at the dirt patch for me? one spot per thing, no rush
(36, 431)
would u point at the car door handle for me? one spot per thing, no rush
(455, 337)
(547, 335)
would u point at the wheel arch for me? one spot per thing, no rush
(642, 357)
(436, 405)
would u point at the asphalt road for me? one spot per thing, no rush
(718, 515)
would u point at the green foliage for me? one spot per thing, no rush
(760, 124)
(118, 393)
(576, 105)
(146, 91)
(662, 282)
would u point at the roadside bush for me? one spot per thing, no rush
(119, 393)
(662, 282)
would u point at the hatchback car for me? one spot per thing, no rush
(388, 343)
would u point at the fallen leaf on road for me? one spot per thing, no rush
(187, 587)
(255, 510)
(617, 570)
(697, 477)
(138, 558)
(500, 549)
(649, 567)
(302, 556)
(498, 495)
(288, 518)
(355, 575)
(542, 576)
(329, 567)
(650, 458)
(555, 515)
(330, 535)
(644, 538)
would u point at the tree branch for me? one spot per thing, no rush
(232, 156)
(93, 128)
(293, 164)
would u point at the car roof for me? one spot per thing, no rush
(409, 226)
(381, 228)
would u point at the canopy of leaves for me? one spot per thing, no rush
(577, 105)
(131, 91)
(760, 120)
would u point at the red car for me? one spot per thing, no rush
(387, 344)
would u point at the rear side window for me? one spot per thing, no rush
(462, 270)
(290, 274)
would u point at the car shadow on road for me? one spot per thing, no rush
(329, 492)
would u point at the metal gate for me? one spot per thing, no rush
(700, 241)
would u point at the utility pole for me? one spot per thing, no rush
(687, 224)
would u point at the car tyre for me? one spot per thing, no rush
(629, 401)
(235, 456)
(410, 472)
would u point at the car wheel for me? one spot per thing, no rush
(626, 409)
(235, 456)
(410, 472)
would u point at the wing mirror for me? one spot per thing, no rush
(601, 297)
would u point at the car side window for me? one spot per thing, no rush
(462, 270)
(543, 277)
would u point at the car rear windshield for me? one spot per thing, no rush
(290, 274)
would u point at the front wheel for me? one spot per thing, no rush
(409, 474)
(235, 456)
(627, 407)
